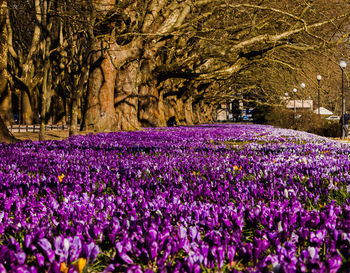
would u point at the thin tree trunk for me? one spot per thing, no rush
(44, 93)
(46, 88)
(73, 128)
(27, 110)
(77, 93)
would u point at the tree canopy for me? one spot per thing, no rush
(110, 65)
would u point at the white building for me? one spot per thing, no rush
(300, 104)
(323, 111)
(221, 115)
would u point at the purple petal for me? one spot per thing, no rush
(231, 251)
(154, 250)
(92, 251)
(334, 263)
(40, 258)
(2, 268)
(126, 258)
(27, 240)
(21, 257)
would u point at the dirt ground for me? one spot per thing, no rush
(50, 135)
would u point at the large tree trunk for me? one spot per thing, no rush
(126, 97)
(151, 110)
(5, 135)
(100, 114)
(125, 72)
(112, 90)
(5, 97)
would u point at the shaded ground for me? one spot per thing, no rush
(50, 135)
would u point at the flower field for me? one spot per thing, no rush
(210, 198)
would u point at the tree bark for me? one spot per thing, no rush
(112, 93)
(24, 73)
(5, 96)
(5, 135)
(100, 114)
(78, 91)
(46, 84)
(27, 111)
(126, 97)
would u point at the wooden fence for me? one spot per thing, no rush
(18, 128)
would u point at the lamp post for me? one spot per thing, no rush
(286, 98)
(342, 67)
(319, 78)
(295, 110)
(302, 85)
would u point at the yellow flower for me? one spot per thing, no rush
(60, 177)
(237, 168)
(64, 268)
(79, 264)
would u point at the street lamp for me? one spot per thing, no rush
(286, 98)
(342, 67)
(319, 78)
(302, 85)
(295, 110)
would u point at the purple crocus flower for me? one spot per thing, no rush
(62, 248)
(153, 250)
(318, 236)
(75, 248)
(2, 268)
(92, 250)
(231, 251)
(109, 269)
(334, 262)
(40, 258)
(28, 240)
(313, 252)
(21, 257)
(46, 246)
(220, 256)
(134, 269)
(122, 253)
(205, 251)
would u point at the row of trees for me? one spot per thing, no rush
(119, 65)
